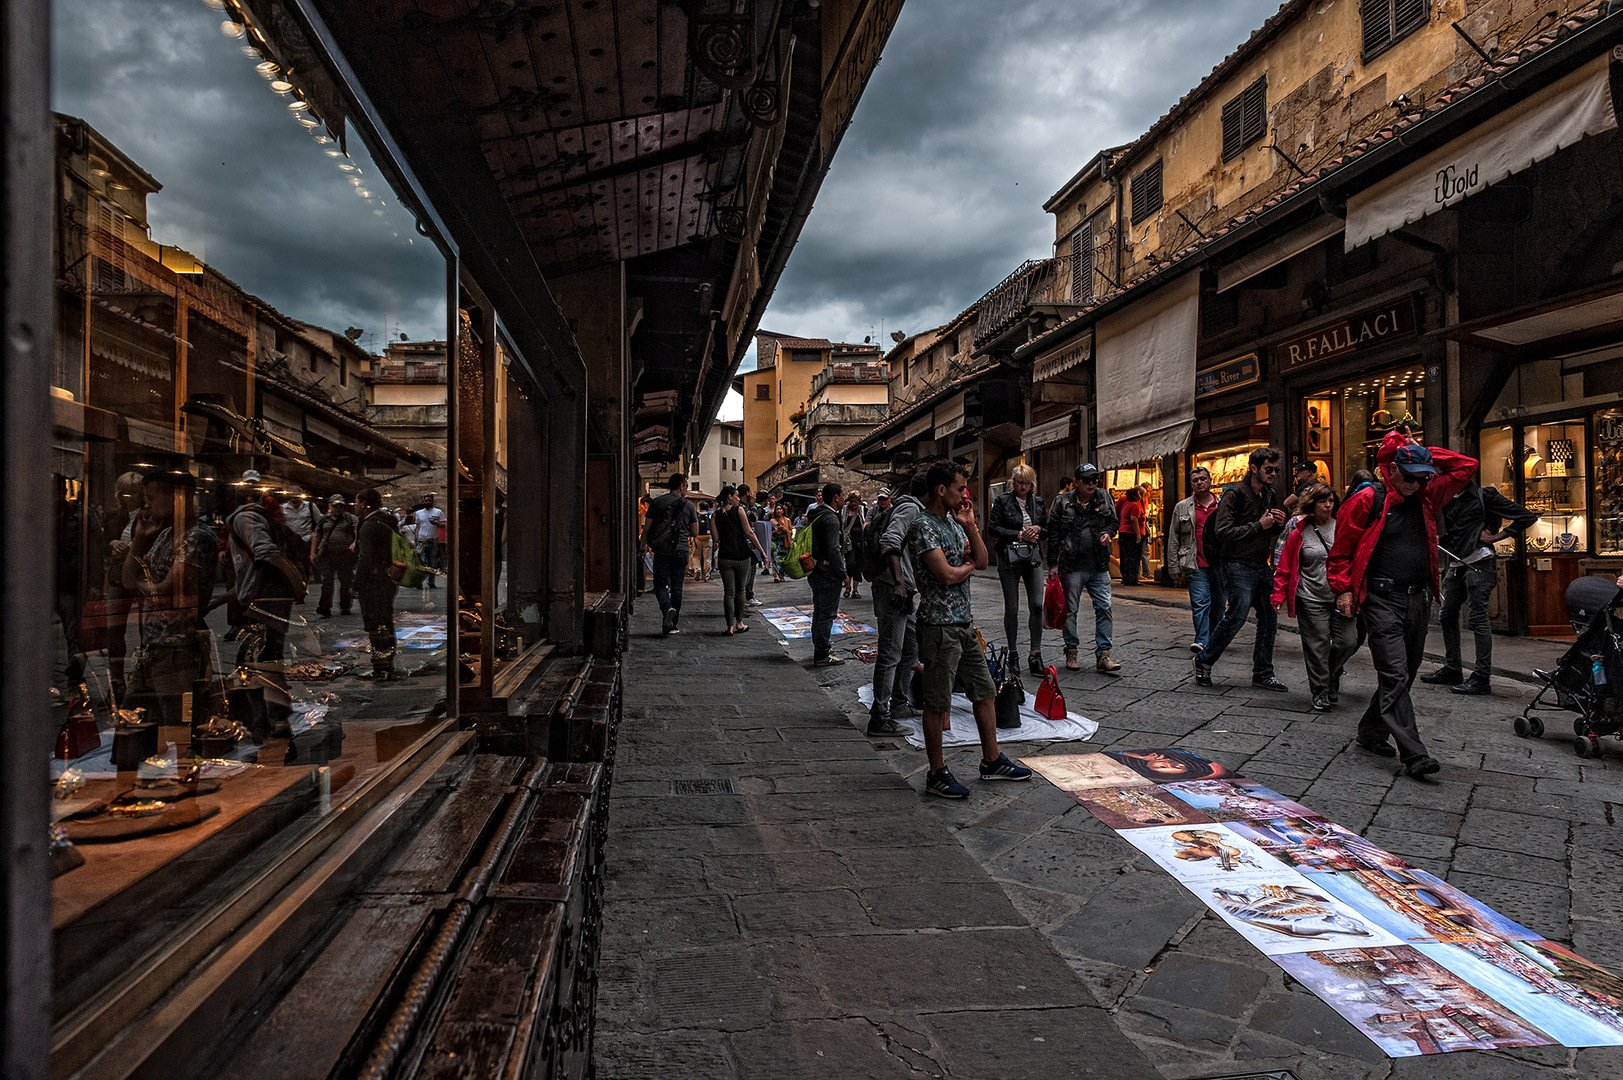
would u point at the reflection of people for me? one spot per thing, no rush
(373, 586)
(429, 520)
(1168, 766)
(118, 524)
(174, 581)
(332, 549)
(267, 585)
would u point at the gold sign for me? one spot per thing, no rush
(1364, 330)
(859, 54)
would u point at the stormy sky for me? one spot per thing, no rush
(978, 112)
(245, 187)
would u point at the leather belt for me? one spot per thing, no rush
(1387, 585)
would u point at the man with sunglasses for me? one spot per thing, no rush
(1383, 566)
(1246, 525)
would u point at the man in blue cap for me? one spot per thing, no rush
(1383, 564)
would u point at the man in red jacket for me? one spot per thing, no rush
(1384, 564)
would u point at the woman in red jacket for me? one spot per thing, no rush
(1302, 587)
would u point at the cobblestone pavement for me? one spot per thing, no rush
(1522, 825)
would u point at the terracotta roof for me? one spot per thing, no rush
(801, 342)
(1488, 76)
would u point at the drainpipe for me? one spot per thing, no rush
(1108, 175)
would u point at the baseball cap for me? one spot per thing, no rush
(1415, 459)
(1308, 465)
(251, 476)
(1088, 471)
(336, 500)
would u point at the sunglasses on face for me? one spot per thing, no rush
(1269, 469)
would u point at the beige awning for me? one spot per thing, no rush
(1529, 131)
(918, 427)
(949, 416)
(1146, 375)
(1047, 434)
(1271, 254)
(1065, 357)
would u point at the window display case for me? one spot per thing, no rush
(1227, 465)
(1137, 476)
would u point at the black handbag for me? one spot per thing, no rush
(1022, 553)
(1011, 694)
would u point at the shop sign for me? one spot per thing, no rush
(1229, 375)
(955, 424)
(1054, 431)
(1364, 330)
(856, 61)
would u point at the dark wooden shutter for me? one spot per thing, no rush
(1388, 21)
(1146, 193)
(1245, 118)
(1082, 264)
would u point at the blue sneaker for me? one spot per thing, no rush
(942, 783)
(1004, 769)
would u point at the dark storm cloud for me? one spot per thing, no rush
(245, 186)
(978, 112)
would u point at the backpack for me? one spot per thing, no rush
(406, 569)
(288, 541)
(871, 534)
(802, 545)
(662, 526)
(1210, 547)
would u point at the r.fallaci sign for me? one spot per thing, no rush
(1365, 330)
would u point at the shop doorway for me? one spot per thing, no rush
(1343, 425)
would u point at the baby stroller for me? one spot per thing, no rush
(1588, 679)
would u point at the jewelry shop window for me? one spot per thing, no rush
(250, 473)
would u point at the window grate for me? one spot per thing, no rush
(1146, 192)
(1386, 22)
(703, 787)
(1245, 118)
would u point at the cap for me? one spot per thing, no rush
(1088, 471)
(336, 500)
(1308, 465)
(251, 476)
(1415, 459)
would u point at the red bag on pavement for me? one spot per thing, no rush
(1050, 702)
(1054, 603)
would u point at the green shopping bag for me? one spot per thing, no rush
(407, 570)
(793, 565)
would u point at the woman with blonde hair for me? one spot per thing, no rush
(1302, 585)
(1018, 525)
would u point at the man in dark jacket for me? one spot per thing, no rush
(826, 577)
(375, 589)
(1473, 521)
(332, 553)
(1383, 566)
(670, 524)
(1246, 525)
(1081, 525)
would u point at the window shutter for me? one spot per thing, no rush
(1245, 118)
(1407, 15)
(1082, 264)
(1146, 193)
(1388, 21)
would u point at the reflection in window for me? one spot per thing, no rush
(250, 462)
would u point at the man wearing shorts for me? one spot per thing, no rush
(947, 642)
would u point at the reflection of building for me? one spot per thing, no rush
(1419, 1000)
(406, 398)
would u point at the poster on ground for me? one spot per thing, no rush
(795, 622)
(1416, 964)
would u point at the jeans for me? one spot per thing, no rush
(749, 583)
(733, 574)
(825, 604)
(1246, 587)
(1097, 583)
(1131, 552)
(1397, 624)
(1328, 641)
(670, 570)
(1469, 585)
(341, 566)
(377, 615)
(898, 651)
(1012, 575)
(1205, 585)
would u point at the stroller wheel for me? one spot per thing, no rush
(1580, 746)
(1522, 727)
(1535, 727)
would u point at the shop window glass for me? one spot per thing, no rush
(1551, 462)
(1608, 468)
(226, 258)
(1375, 406)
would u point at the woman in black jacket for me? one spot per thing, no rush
(1018, 526)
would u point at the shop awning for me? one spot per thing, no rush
(949, 416)
(1529, 131)
(1054, 431)
(1146, 375)
(1065, 357)
(1271, 254)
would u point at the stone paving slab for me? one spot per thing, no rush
(1521, 824)
(820, 921)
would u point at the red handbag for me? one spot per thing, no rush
(1050, 702)
(1054, 603)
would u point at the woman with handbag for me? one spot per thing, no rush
(735, 546)
(1302, 586)
(1017, 525)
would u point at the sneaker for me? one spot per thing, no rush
(903, 711)
(1473, 685)
(1104, 665)
(1071, 662)
(676, 629)
(1380, 748)
(1422, 766)
(752, 602)
(885, 726)
(831, 660)
(1203, 675)
(1321, 702)
(1444, 677)
(670, 621)
(942, 783)
(1270, 683)
(1004, 769)
(1197, 647)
